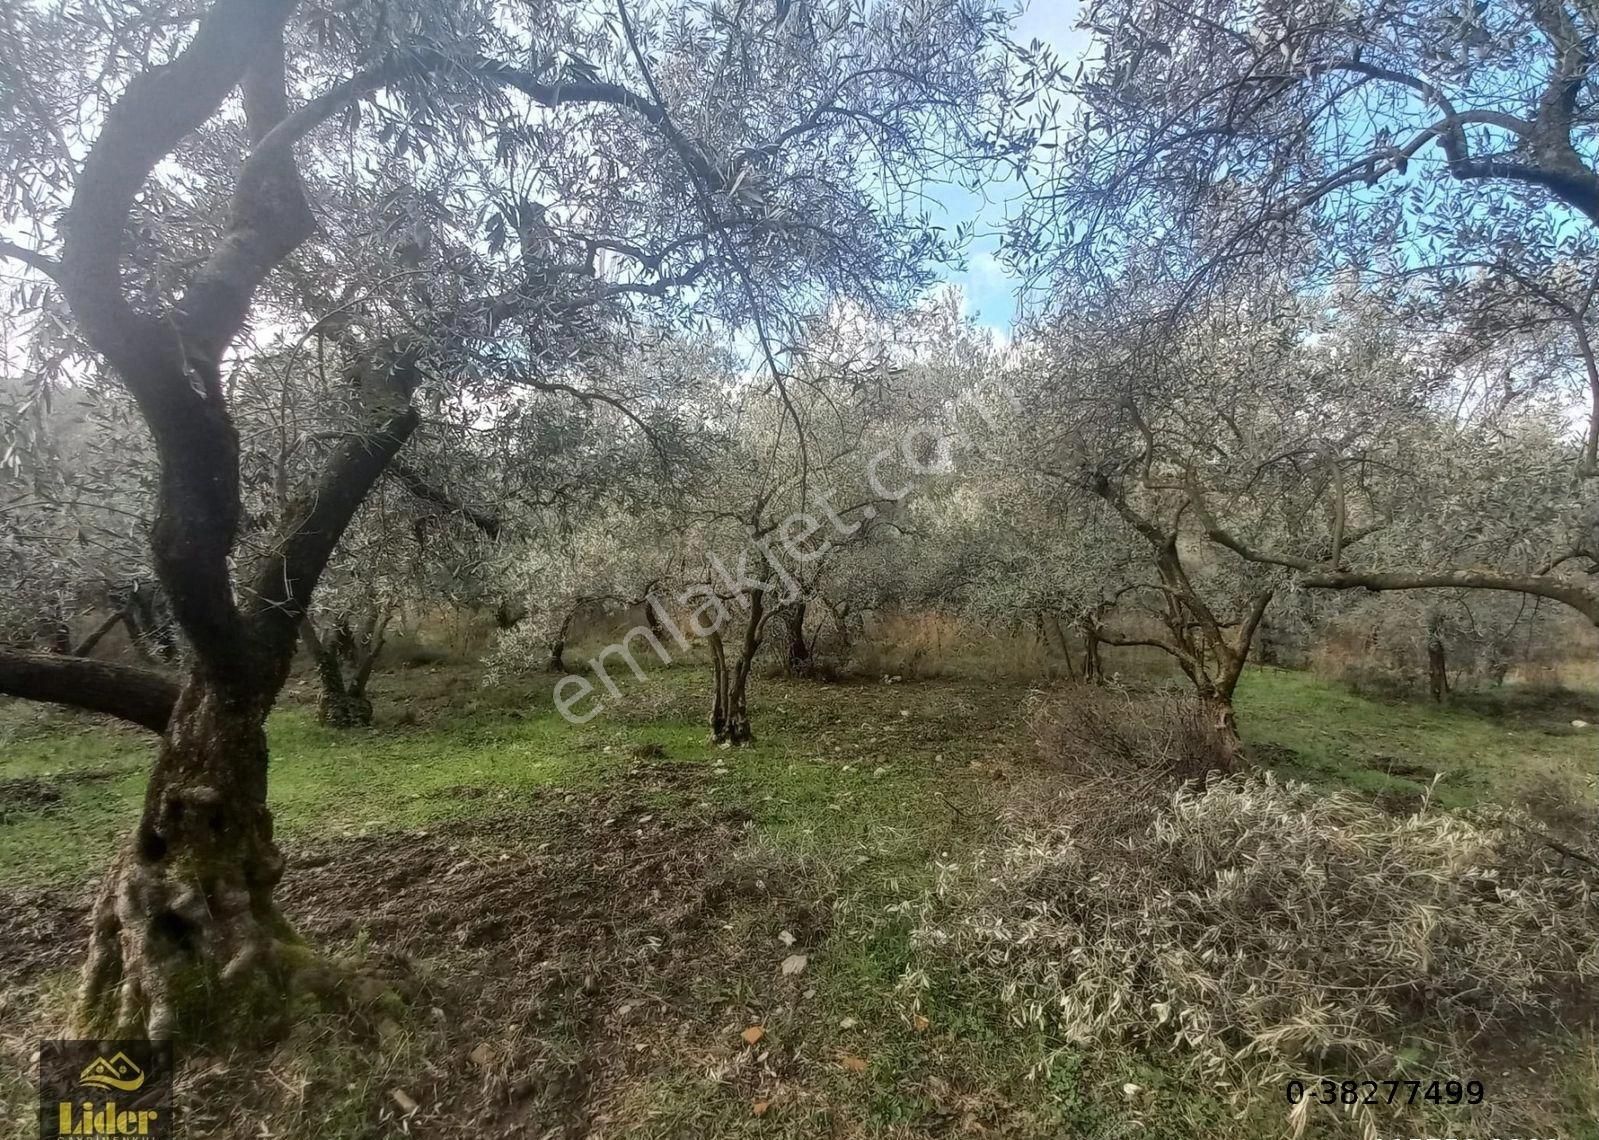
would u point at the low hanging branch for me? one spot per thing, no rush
(140, 696)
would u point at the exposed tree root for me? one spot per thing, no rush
(184, 940)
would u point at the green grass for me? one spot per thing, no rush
(815, 776)
(1320, 732)
(323, 781)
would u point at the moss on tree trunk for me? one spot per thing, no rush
(185, 932)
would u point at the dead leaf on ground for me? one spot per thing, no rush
(753, 1034)
(795, 964)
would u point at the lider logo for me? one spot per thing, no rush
(118, 1073)
(105, 1088)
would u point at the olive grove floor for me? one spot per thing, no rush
(615, 929)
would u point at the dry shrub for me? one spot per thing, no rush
(412, 649)
(1256, 931)
(929, 643)
(1561, 805)
(1095, 732)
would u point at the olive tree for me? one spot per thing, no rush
(596, 170)
(1439, 157)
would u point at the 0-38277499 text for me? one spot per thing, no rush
(1353, 1092)
(1330, 1092)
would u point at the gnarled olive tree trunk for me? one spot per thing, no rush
(185, 923)
(185, 927)
(343, 702)
(1221, 721)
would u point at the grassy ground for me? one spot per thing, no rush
(614, 902)
(1498, 746)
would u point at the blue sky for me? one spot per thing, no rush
(990, 290)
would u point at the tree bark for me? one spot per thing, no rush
(1222, 722)
(797, 654)
(1437, 668)
(340, 704)
(185, 925)
(143, 697)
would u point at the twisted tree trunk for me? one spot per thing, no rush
(797, 656)
(1222, 722)
(185, 925)
(730, 717)
(342, 703)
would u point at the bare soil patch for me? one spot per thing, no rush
(514, 971)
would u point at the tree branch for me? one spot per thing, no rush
(414, 482)
(157, 110)
(86, 646)
(288, 575)
(270, 217)
(1578, 597)
(140, 696)
(32, 259)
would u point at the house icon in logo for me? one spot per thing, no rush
(119, 1074)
